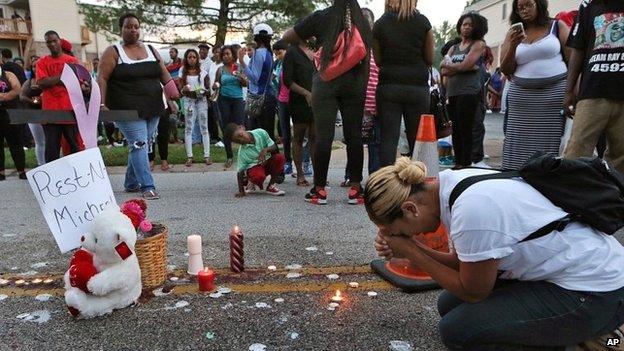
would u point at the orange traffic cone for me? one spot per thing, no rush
(401, 272)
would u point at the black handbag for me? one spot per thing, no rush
(255, 102)
(437, 108)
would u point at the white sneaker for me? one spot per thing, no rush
(250, 188)
(116, 144)
(219, 144)
(481, 165)
(273, 190)
(486, 157)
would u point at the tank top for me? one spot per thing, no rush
(463, 83)
(541, 59)
(135, 85)
(230, 85)
(5, 87)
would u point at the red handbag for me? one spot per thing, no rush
(343, 60)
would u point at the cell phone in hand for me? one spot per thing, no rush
(517, 27)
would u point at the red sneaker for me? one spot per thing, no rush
(355, 196)
(273, 190)
(317, 197)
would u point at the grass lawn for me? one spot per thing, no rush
(118, 156)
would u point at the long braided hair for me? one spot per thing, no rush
(345, 13)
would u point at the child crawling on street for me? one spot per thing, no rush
(258, 157)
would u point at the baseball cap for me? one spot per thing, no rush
(262, 29)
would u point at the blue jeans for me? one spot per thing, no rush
(284, 120)
(140, 136)
(518, 315)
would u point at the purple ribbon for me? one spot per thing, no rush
(87, 119)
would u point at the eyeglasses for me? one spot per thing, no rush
(529, 6)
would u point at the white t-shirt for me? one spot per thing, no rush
(205, 64)
(491, 217)
(212, 73)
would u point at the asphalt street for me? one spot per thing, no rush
(280, 231)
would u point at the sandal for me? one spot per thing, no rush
(208, 161)
(165, 167)
(189, 162)
(228, 164)
(302, 182)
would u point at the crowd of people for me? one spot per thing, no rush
(378, 76)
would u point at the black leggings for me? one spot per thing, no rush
(396, 102)
(463, 109)
(13, 135)
(162, 139)
(232, 111)
(53, 136)
(266, 120)
(347, 94)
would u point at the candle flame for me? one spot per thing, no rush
(337, 293)
(236, 229)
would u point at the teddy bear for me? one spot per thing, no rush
(104, 274)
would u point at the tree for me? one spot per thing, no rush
(220, 16)
(442, 34)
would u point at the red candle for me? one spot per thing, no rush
(237, 254)
(206, 277)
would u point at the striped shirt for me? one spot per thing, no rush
(370, 105)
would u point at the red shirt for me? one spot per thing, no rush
(55, 98)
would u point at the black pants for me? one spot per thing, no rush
(393, 103)
(462, 110)
(53, 135)
(232, 111)
(478, 134)
(162, 139)
(213, 121)
(13, 135)
(347, 94)
(266, 120)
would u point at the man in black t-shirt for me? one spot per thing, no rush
(597, 42)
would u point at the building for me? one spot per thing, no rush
(497, 12)
(23, 24)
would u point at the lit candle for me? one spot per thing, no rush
(337, 297)
(48, 281)
(20, 282)
(4, 282)
(206, 277)
(37, 281)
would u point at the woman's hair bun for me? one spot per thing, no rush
(410, 172)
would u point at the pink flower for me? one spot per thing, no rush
(145, 226)
(134, 212)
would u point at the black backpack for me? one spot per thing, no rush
(589, 189)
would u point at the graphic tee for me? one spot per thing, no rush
(599, 31)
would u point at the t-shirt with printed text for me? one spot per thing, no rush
(599, 32)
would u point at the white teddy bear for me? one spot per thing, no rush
(117, 280)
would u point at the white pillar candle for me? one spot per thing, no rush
(194, 244)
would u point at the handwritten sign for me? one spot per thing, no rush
(71, 192)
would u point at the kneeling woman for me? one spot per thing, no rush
(557, 290)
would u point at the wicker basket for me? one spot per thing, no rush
(152, 255)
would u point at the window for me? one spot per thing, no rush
(1, 12)
(504, 11)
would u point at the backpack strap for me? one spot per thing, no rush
(557, 225)
(468, 182)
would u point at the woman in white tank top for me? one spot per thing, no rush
(534, 61)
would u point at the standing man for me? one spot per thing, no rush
(95, 63)
(55, 97)
(204, 61)
(174, 66)
(597, 42)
